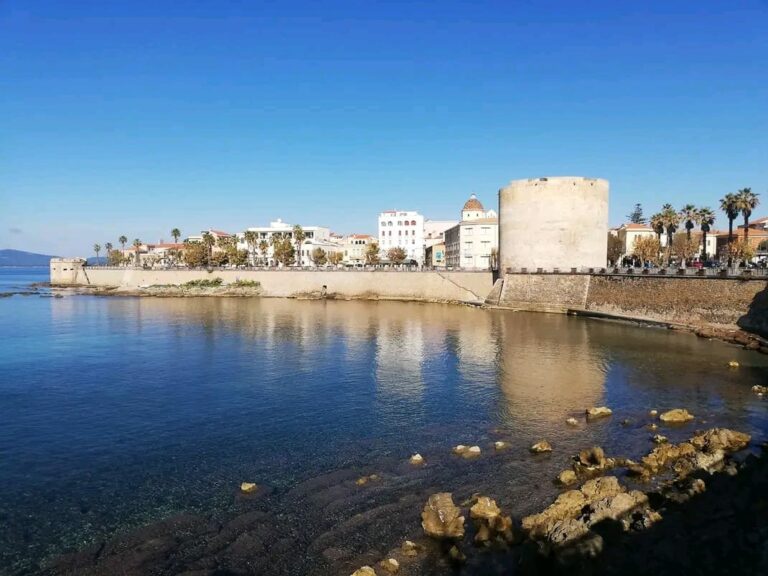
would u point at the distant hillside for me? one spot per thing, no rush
(21, 258)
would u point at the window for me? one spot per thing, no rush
(400, 232)
(399, 222)
(413, 241)
(413, 222)
(406, 222)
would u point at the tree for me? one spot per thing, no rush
(115, 257)
(263, 248)
(97, 249)
(195, 254)
(671, 220)
(335, 258)
(636, 216)
(689, 216)
(729, 205)
(208, 242)
(107, 250)
(123, 240)
(657, 223)
(251, 238)
(746, 201)
(319, 257)
(176, 233)
(372, 253)
(298, 237)
(647, 249)
(137, 246)
(396, 255)
(283, 250)
(685, 247)
(740, 250)
(615, 248)
(706, 219)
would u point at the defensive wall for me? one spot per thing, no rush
(684, 300)
(429, 286)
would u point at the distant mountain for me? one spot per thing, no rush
(21, 258)
(93, 261)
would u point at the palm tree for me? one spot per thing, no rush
(671, 220)
(657, 223)
(137, 246)
(250, 238)
(706, 219)
(689, 215)
(97, 249)
(176, 233)
(746, 201)
(298, 238)
(263, 247)
(122, 241)
(108, 249)
(729, 206)
(209, 241)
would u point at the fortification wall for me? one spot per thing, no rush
(379, 284)
(556, 222)
(687, 301)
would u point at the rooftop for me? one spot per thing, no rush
(473, 204)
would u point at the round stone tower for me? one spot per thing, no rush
(550, 223)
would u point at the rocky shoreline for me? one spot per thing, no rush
(618, 516)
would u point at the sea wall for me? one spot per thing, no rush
(689, 301)
(396, 285)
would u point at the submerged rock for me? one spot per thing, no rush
(364, 571)
(460, 449)
(677, 415)
(598, 412)
(567, 477)
(390, 565)
(416, 460)
(572, 422)
(659, 439)
(363, 480)
(733, 364)
(760, 390)
(410, 549)
(540, 447)
(653, 413)
(441, 518)
(499, 445)
(248, 487)
(592, 457)
(456, 555)
(471, 452)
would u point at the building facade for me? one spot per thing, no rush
(403, 229)
(473, 241)
(316, 236)
(355, 246)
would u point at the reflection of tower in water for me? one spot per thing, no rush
(549, 369)
(399, 357)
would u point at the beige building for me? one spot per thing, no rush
(471, 242)
(355, 246)
(435, 255)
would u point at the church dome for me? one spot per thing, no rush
(473, 204)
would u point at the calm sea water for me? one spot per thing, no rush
(118, 412)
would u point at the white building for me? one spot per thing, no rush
(434, 231)
(316, 236)
(469, 243)
(402, 229)
(355, 246)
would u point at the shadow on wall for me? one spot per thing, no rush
(756, 318)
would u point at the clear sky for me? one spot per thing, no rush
(139, 116)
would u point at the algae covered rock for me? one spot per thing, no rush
(441, 518)
(676, 416)
(598, 412)
(540, 447)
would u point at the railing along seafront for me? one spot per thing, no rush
(714, 273)
(294, 268)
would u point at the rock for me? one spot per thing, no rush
(572, 422)
(460, 449)
(645, 519)
(567, 530)
(598, 412)
(733, 364)
(653, 413)
(760, 390)
(567, 477)
(499, 445)
(483, 534)
(592, 457)
(456, 555)
(441, 518)
(659, 439)
(471, 452)
(599, 488)
(616, 507)
(416, 460)
(390, 565)
(567, 505)
(410, 549)
(364, 571)
(248, 487)
(363, 480)
(676, 416)
(540, 447)
(721, 439)
(653, 426)
(485, 508)
(626, 422)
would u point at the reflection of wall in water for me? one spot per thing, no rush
(399, 356)
(549, 367)
(478, 348)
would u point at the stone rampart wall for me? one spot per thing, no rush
(379, 284)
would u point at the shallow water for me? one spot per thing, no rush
(117, 412)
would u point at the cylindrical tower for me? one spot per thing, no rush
(550, 223)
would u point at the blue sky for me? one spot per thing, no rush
(135, 117)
